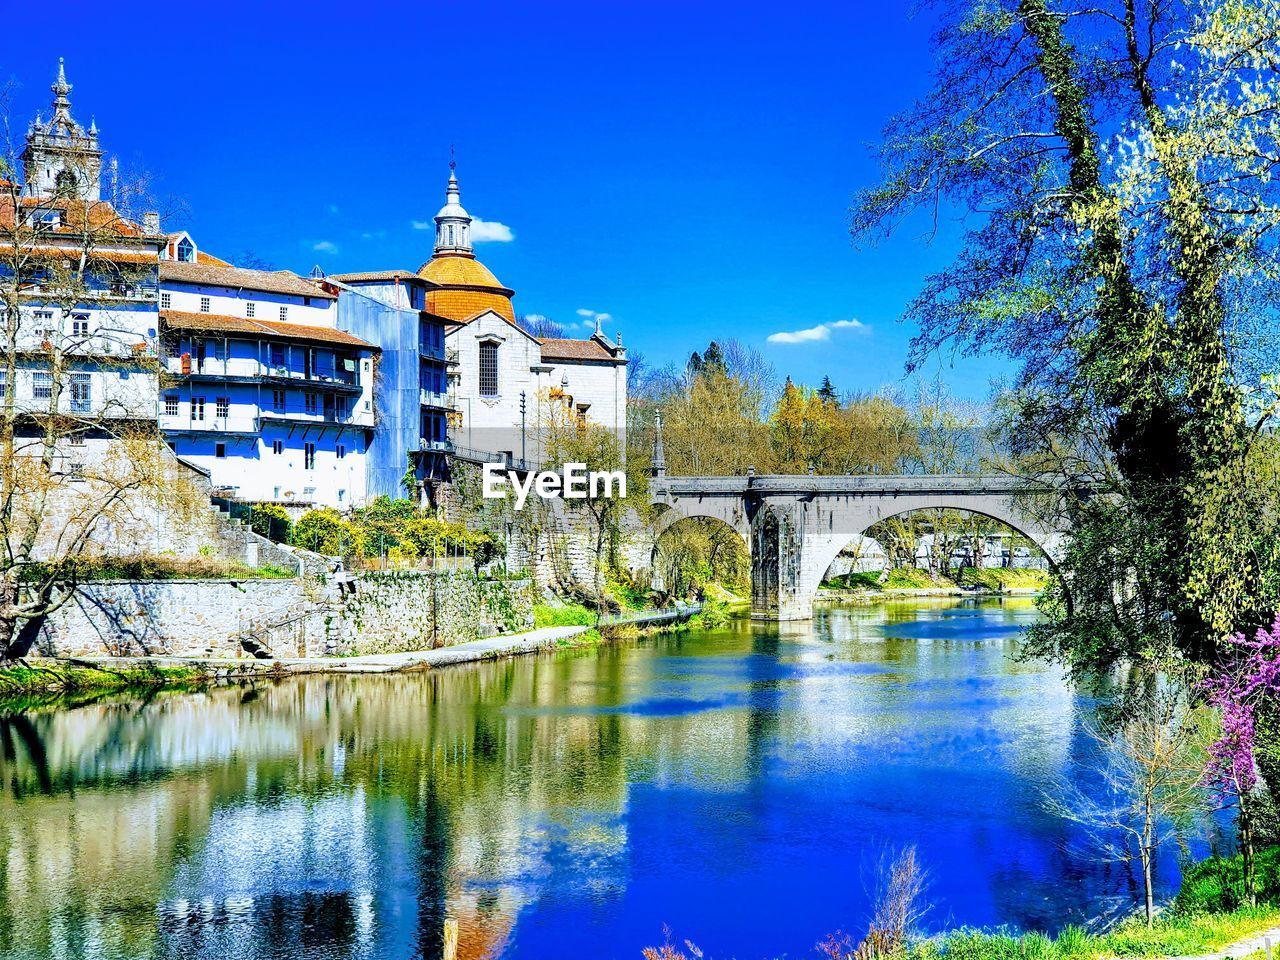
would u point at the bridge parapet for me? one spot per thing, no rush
(796, 525)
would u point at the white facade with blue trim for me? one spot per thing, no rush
(263, 391)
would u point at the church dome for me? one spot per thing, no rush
(454, 269)
(464, 287)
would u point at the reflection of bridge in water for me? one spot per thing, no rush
(796, 526)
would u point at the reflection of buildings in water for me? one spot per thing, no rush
(355, 813)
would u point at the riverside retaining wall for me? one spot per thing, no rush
(386, 612)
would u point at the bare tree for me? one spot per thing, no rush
(1148, 785)
(80, 451)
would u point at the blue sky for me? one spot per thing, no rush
(685, 168)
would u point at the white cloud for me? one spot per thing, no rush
(536, 317)
(325, 246)
(333, 208)
(490, 231)
(818, 334)
(422, 224)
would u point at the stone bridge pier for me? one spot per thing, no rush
(796, 526)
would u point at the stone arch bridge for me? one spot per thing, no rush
(795, 526)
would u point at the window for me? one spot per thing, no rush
(341, 451)
(277, 447)
(197, 408)
(166, 301)
(306, 301)
(277, 401)
(186, 251)
(204, 304)
(308, 456)
(284, 314)
(341, 408)
(44, 324)
(342, 496)
(80, 325)
(80, 392)
(250, 308)
(171, 405)
(223, 406)
(311, 402)
(219, 349)
(488, 369)
(277, 355)
(76, 440)
(42, 385)
(4, 384)
(121, 289)
(220, 451)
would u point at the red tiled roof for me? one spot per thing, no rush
(271, 281)
(217, 323)
(555, 348)
(368, 275)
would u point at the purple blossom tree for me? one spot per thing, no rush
(1248, 671)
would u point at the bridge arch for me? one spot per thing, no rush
(826, 551)
(727, 549)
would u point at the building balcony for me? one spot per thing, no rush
(223, 372)
(211, 425)
(360, 420)
(435, 398)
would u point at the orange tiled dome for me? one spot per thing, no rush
(466, 287)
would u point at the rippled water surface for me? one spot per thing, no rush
(736, 785)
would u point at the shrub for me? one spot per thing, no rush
(1216, 885)
(272, 521)
(324, 531)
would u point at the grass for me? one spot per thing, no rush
(1173, 934)
(22, 682)
(164, 568)
(589, 638)
(562, 615)
(1003, 578)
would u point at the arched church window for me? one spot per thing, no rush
(65, 182)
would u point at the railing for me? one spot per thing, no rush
(211, 424)
(472, 455)
(435, 398)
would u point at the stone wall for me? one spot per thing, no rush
(401, 610)
(393, 611)
(181, 618)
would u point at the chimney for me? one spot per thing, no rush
(151, 223)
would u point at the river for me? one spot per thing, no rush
(736, 785)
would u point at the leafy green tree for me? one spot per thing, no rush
(1122, 217)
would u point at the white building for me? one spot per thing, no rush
(502, 376)
(264, 392)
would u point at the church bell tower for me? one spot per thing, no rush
(61, 158)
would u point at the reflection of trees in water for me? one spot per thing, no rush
(457, 793)
(486, 759)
